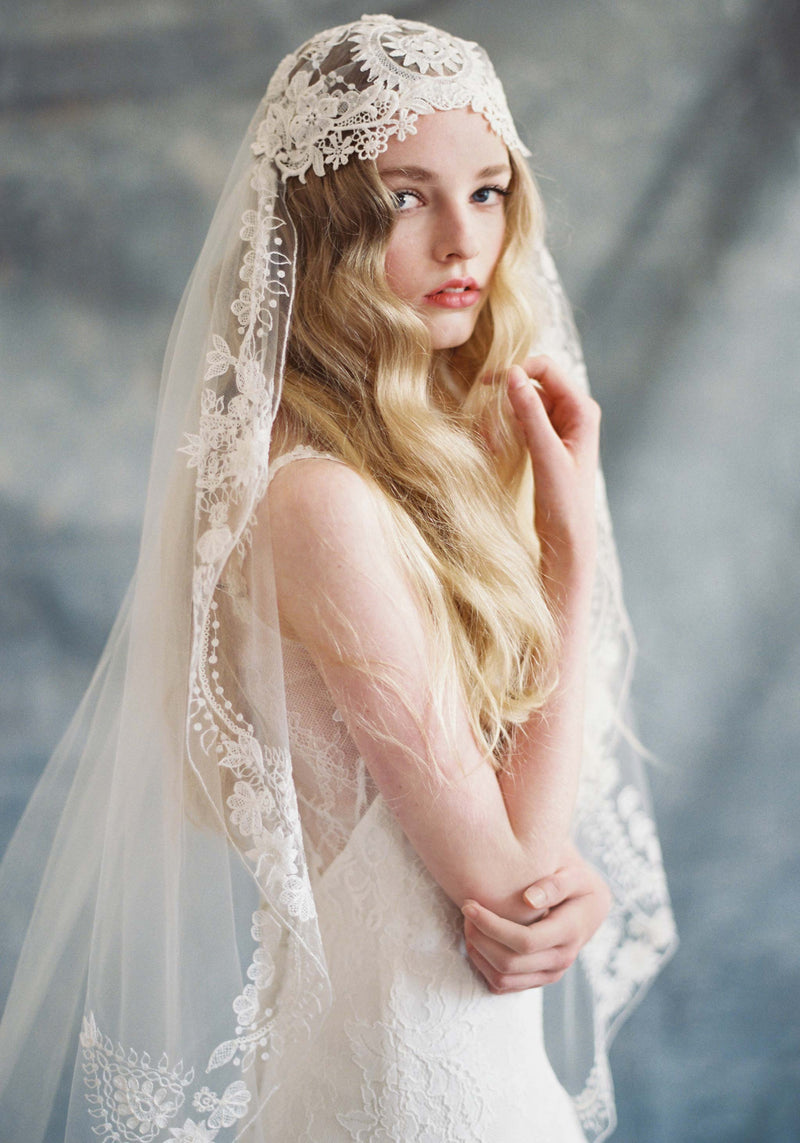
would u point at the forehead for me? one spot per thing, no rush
(445, 140)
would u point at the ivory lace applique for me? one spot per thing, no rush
(317, 116)
(134, 1100)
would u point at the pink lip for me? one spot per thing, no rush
(462, 292)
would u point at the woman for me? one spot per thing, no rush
(353, 690)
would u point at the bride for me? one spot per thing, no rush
(334, 804)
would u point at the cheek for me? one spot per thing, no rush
(401, 271)
(398, 274)
(497, 244)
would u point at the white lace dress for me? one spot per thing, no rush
(414, 1048)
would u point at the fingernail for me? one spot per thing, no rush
(469, 910)
(536, 898)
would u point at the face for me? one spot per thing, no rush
(450, 181)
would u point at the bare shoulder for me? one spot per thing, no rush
(319, 502)
(337, 575)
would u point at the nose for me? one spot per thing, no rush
(456, 238)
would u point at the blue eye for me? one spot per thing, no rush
(486, 194)
(404, 199)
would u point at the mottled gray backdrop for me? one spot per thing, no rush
(667, 136)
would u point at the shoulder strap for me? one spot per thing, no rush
(299, 452)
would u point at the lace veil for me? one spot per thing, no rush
(162, 947)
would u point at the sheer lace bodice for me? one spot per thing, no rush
(333, 786)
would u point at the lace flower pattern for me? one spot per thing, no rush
(349, 90)
(231, 454)
(134, 1100)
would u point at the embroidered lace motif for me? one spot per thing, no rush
(133, 1099)
(414, 1047)
(349, 90)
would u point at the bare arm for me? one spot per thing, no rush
(560, 428)
(342, 591)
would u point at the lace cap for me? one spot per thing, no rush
(348, 90)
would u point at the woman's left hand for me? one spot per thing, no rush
(570, 906)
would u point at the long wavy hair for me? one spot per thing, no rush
(363, 383)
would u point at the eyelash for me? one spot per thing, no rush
(504, 192)
(397, 195)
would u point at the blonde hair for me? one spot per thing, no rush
(360, 383)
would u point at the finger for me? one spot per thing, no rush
(500, 956)
(563, 926)
(543, 373)
(532, 368)
(504, 961)
(507, 933)
(541, 436)
(539, 367)
(574, 414)
(550, 377)
(500, 982)
(579, 917)
(530, 942)
(569, 881)
(570, 412)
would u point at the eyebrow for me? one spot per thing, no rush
(421, 175)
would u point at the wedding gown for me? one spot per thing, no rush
(415, 1047)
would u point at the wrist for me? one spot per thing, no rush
(568, 579)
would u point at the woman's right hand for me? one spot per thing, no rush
(570, 905)
(560, 427)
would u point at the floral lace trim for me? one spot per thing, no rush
(231, 448)
(230, 453)
(135, 1100)
(595, 1104)
(319, 114)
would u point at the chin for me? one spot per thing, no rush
(451, 334)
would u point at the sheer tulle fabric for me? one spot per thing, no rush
(175, 964)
